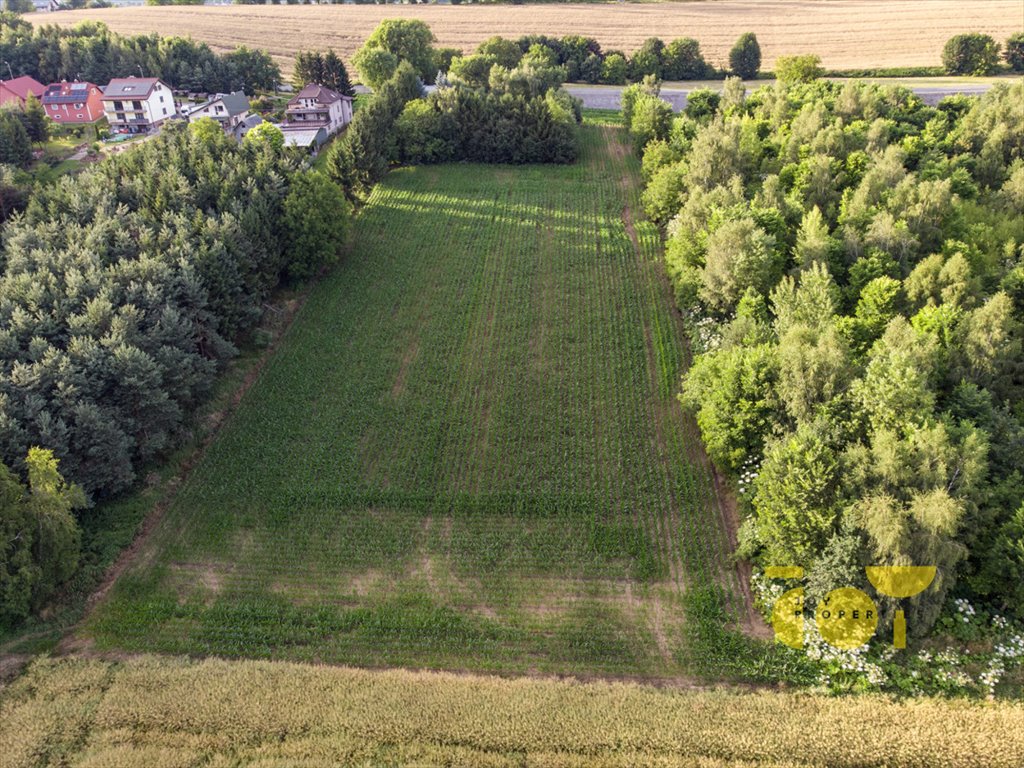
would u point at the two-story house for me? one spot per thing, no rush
(73, 103)
(14, 92)
(137, 104)
(228, 109)
(316, 107)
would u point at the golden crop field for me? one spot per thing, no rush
(163, 712)
(846, 34)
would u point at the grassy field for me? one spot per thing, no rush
(466, 453)
(176, 713)
(847, 34)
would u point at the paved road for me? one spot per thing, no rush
(607, 97)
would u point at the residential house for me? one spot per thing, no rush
(137, 104)
(247, 124)
(73, 103)
(15, 92)
(317, 107)
(228, 109)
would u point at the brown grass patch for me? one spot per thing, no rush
(845, 33)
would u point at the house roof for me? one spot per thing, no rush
(67, 93)
(129, 87)
(246, 125)
(22, 86)
(301, 137)
(250, 122)
(321, 93)
(235, 103)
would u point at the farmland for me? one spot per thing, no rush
(165, 712)
(466, 453)
(847, 34)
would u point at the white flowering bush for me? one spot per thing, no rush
(747, 475)
(981, 651)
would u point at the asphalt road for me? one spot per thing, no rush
(607, 97)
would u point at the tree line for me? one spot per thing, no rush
(515, 114)
(851, 265)
(90, 51)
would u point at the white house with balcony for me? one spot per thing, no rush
(137, 104)
(316, 107)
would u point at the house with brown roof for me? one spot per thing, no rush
(73, 103)
(315, 107)
(137, 104)
(14, 92)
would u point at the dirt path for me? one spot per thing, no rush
(751, 622)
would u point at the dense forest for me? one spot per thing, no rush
(851, 264)
(90, 51)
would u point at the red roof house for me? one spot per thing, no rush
(73, 103)
(15, 91)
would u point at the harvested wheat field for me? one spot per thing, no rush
(847, 34)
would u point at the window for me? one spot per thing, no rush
(165, 110)
(79, 106)
(118, 106)
(136, 105)
(161, 99)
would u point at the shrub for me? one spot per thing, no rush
(631, 93)
(39, 538)
(505, 52)
(265, 134)
(473, 70)
(703, 102)
(745, 56)
(486, 127)
(15, 145)
(375, 66)
(1014, 53)
(406, 40)
(970, 54)
(615, 69)
(682, 60)
(805, 68)
(647, 60)
(424, 133)
(316, 220)
(650, 118)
